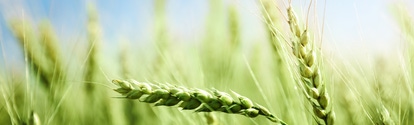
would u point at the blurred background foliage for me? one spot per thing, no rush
(66, 79)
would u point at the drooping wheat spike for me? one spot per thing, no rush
(191, 99)
(310, 72)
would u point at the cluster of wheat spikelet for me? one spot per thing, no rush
(192, 99)
(310, 71)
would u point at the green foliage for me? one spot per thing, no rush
(55, 88)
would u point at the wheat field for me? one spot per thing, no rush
(226, 62)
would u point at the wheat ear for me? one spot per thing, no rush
(36, 57)
(94, 40)
(310, 72)
(191, 99)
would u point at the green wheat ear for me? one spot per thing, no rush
(309, 69)
(192, 99)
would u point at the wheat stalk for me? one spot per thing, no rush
(94, 41)
(50, 42)
(192, 99)
(310, 71)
